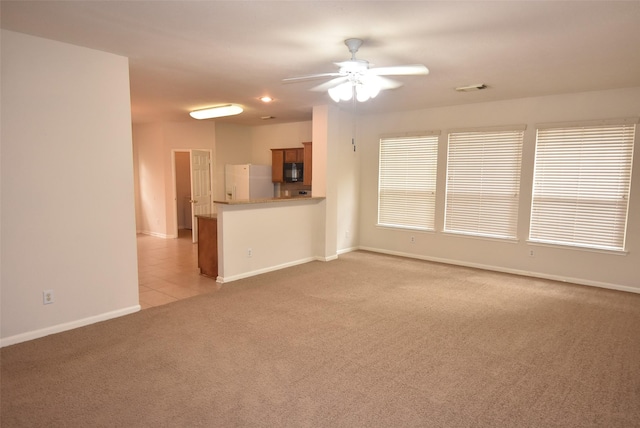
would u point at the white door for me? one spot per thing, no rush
(200, 186)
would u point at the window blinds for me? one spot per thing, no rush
(407, 181)
(581, 185)
(483, 183)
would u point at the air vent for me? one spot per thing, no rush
(471, 88)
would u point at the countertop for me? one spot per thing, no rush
(269, 200)
(209, 216)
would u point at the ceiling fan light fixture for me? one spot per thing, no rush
(218, 111)
(343, 92)
(366, 92)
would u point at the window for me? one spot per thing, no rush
(407, 181)
(581, 185)
(483, 182)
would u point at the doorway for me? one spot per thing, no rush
(193, 188)
(184, 216)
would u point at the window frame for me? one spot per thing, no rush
(482, 192)
(399, 176)
(589, 186)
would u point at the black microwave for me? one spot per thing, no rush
(293, 172)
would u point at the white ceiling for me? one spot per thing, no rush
(193, 54)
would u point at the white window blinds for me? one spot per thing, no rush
(581, 185)
(483, 183)
(407, 181)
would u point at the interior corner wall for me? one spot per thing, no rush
(68, 218)
(598, 268)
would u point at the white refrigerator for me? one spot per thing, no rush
(247, 182)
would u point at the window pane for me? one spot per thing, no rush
(581, 186)
(483, 183)
(407, 181)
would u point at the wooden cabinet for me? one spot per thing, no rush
(208, 245)
(291, 155)
(307, 154)
(277, 165)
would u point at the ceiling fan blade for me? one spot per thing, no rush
(399, 70)
(330, 84)
(309, 77)
(386, 83)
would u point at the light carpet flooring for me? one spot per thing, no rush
(366, 340)
(168, 270)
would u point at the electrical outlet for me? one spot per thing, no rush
(413, 239)
(47, 297)
(531, 253)
(249, 252)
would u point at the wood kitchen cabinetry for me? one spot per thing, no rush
(307, 152)
(291, 155)
(208, 245)
(277, 165)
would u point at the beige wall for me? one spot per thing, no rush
(267, 137)
(233, 146)
(582, 266)
(153, 145)
(68, 219)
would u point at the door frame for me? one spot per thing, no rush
(194, 225)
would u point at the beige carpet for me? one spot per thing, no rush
(366, 340)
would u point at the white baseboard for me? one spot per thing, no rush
(225, 279)
(36, 334)
(540, 275)
(157, 234)
(347, 250)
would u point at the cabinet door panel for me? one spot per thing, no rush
(290, 155)
(277, 165)
(306, 154)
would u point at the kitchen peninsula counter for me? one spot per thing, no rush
(256, 236)
(270, 200)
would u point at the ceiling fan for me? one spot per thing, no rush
(357, 78)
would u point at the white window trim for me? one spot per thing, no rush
(588, 242)
(408, 182)
(473, 177)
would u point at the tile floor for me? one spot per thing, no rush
(168, 270)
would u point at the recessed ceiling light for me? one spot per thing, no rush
(218, 111)
(471, 88)
(266, 99)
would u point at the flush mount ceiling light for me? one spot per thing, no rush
(266, 99)
(218, 111)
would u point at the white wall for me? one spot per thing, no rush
(148, 145)
(68, 219)
(582, 266)
(279, 234)
(346, 167)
